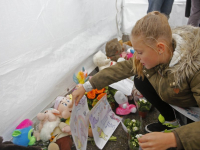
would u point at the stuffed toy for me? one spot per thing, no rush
(63, 105)
(102, 61)
(113, 49)
(130, 53)
(125, 43)
(127, 49)
(23, 134)
(8, 145)
(81, 77)
(124, 107)
(51, 128)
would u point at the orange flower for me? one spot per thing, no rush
(99, 91)
(100, 96)
(91, 94)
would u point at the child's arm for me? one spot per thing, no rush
(106, 77)
(112, 74)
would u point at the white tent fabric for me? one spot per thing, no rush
(133, 10)
(43, 43)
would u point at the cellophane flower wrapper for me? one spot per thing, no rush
(133, 129)
(95, 95)
(142, 104)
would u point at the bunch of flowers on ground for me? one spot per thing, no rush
(133, 128)
(95, 95)
(133, 143)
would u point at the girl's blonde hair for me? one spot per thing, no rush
(151, 27)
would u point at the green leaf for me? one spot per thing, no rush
(113, 138)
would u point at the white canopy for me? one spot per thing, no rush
(136, 9)
(43, 43)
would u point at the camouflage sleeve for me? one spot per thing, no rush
(178, 141)
(195, 87)
(112, 74)
(189, 134)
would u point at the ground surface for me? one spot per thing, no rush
(122, 140)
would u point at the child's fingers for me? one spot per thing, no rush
(78, 99)
(77, 95)
(142, 139)
(74, 96)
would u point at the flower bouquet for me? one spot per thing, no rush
(143, 106)
(133, 127)
(95, 95)
(133, 142)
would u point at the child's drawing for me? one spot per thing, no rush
(93, 121)
(101, 133)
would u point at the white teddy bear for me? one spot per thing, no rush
(102, 61)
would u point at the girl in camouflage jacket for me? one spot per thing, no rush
(168, 62)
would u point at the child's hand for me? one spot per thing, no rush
(157, 140)
(77, 95)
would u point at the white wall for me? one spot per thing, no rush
(42, 43)
(133, 10)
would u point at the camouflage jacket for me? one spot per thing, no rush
(177, 83)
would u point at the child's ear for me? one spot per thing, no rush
(161, 48)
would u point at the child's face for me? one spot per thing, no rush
(147, 56)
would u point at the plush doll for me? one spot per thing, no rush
(23, 134)
(51, 128)
(81, 77)
(102, 61)
(8, 145)
(124, 107)
(127, 49)
(128, 43)
(63, 105)
(113, 49)
(130, 53)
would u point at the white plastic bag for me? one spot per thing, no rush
(125, 86)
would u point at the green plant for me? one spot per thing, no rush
(133, 126)
(143, 105)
